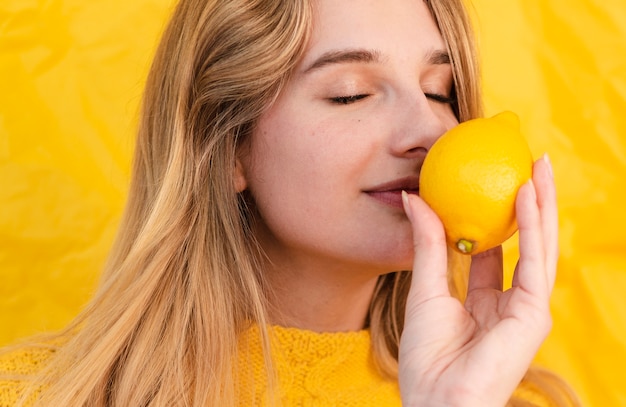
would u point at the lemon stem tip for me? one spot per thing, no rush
(465, 246)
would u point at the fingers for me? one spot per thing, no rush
(430, 262)
(530, 274)
(538, 232)
(546, 199)
(486, 270)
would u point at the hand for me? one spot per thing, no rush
(475, 354)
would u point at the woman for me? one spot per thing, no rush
(261, 256)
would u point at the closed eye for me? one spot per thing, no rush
(346, 100)
(441, 98)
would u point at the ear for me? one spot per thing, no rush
(240, 177)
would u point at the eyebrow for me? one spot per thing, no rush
(438, 57)
(435, 57)
(343, 56)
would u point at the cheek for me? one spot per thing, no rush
(307, 148)
(311, 159)
(307, 183)
(282, 155)
(285, 167)
(446, 116)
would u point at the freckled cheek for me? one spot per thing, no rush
(321, 152)
(285, 162)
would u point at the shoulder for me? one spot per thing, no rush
(18, 365)
(25, 360)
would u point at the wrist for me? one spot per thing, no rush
(454, 398)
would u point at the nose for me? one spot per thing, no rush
(420, 125)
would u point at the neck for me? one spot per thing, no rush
(331, 300)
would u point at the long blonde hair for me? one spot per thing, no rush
(182, 280)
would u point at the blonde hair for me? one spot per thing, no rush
(182, 280)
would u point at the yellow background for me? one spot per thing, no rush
(71, 77)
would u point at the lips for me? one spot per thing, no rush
(390, 193)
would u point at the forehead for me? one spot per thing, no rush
(385, 25)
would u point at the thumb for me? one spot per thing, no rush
(430, 262)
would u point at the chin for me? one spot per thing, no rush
(400, 265)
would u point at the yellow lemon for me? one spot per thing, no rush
(470, 178)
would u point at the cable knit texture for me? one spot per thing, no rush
(314, 370)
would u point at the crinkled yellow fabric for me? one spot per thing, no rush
(71, 77)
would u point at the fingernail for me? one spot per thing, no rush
(546, 159)
(406, 204)
(532, 188)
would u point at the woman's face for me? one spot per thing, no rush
(328, 160)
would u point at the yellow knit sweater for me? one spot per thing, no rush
(314, 369)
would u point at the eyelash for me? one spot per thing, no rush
(441, 98)
(346, 100)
